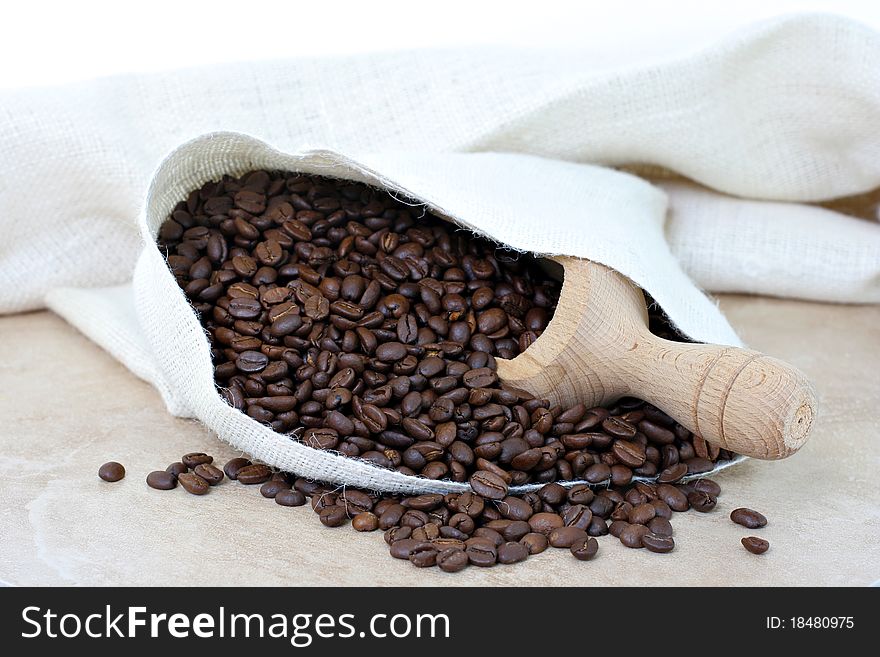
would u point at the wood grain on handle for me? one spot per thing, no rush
(598, 348)
(738, 399)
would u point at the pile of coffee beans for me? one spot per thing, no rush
(358, 323)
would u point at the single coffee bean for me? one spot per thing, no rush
(481, 552)
(193, 459)
(672, 474)
(707, 486)
(755, 545)
(631, 535)
(289, 497)
(402, 548)
(193, 483)
(488, 485)
(656, 543)
(748, 518)
(423, 555)
(161, 480)
(111, 471)
(209, 473)
(365, 522)
(256, 473)
(512, 552)
(660, 527)
(675, 498)
(272, 487)
(702, 502)
(177, 468)
(452, 560)
(535, 543)
(544, 523)
(563, 537)
(584, 550)
(642, 514)
(333, 516)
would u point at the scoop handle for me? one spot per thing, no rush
(738, 399)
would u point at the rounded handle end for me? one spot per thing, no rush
(766, 409)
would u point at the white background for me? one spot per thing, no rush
(56, 42)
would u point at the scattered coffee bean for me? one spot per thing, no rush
(193, 483)
(755, 545)
(656, 543)
(365, 522)
(111, 471)
(195, 458)
(288, 497)
(584, 550)
(162, 480)
(209, 473)
(702, 502)
(748, 518)
(452, 560)
(177, 468)
(254, 474)
(512, 552)
(333, 516)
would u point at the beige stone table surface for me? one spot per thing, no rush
(66, 407)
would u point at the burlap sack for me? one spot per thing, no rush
(527, 203)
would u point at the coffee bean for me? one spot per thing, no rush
(452, 560)
(423, 555)
(544, 523)
(161, 480)
(254, 474)
(755, 545)
(288, 497)
(512, 552)
(660, 527)
(699, 465)
(365, 522)
(111, 471)
(488, 485)
(748, 518)
(481, 552)
(676, 500)
(481, 377)
(401, 549)
(707, 486)
(193, 459)
(584, 550)
(563, 537)
(333, 516)
(209, 473)
(631, 535)
(672, 474)
(657, 543)
(272, 487)
(193, 483)
(701, 502)
(176, 469)
(535, 543)
(233, 467)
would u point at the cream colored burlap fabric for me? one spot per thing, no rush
(502, 141)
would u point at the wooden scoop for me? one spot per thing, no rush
(597, 348)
